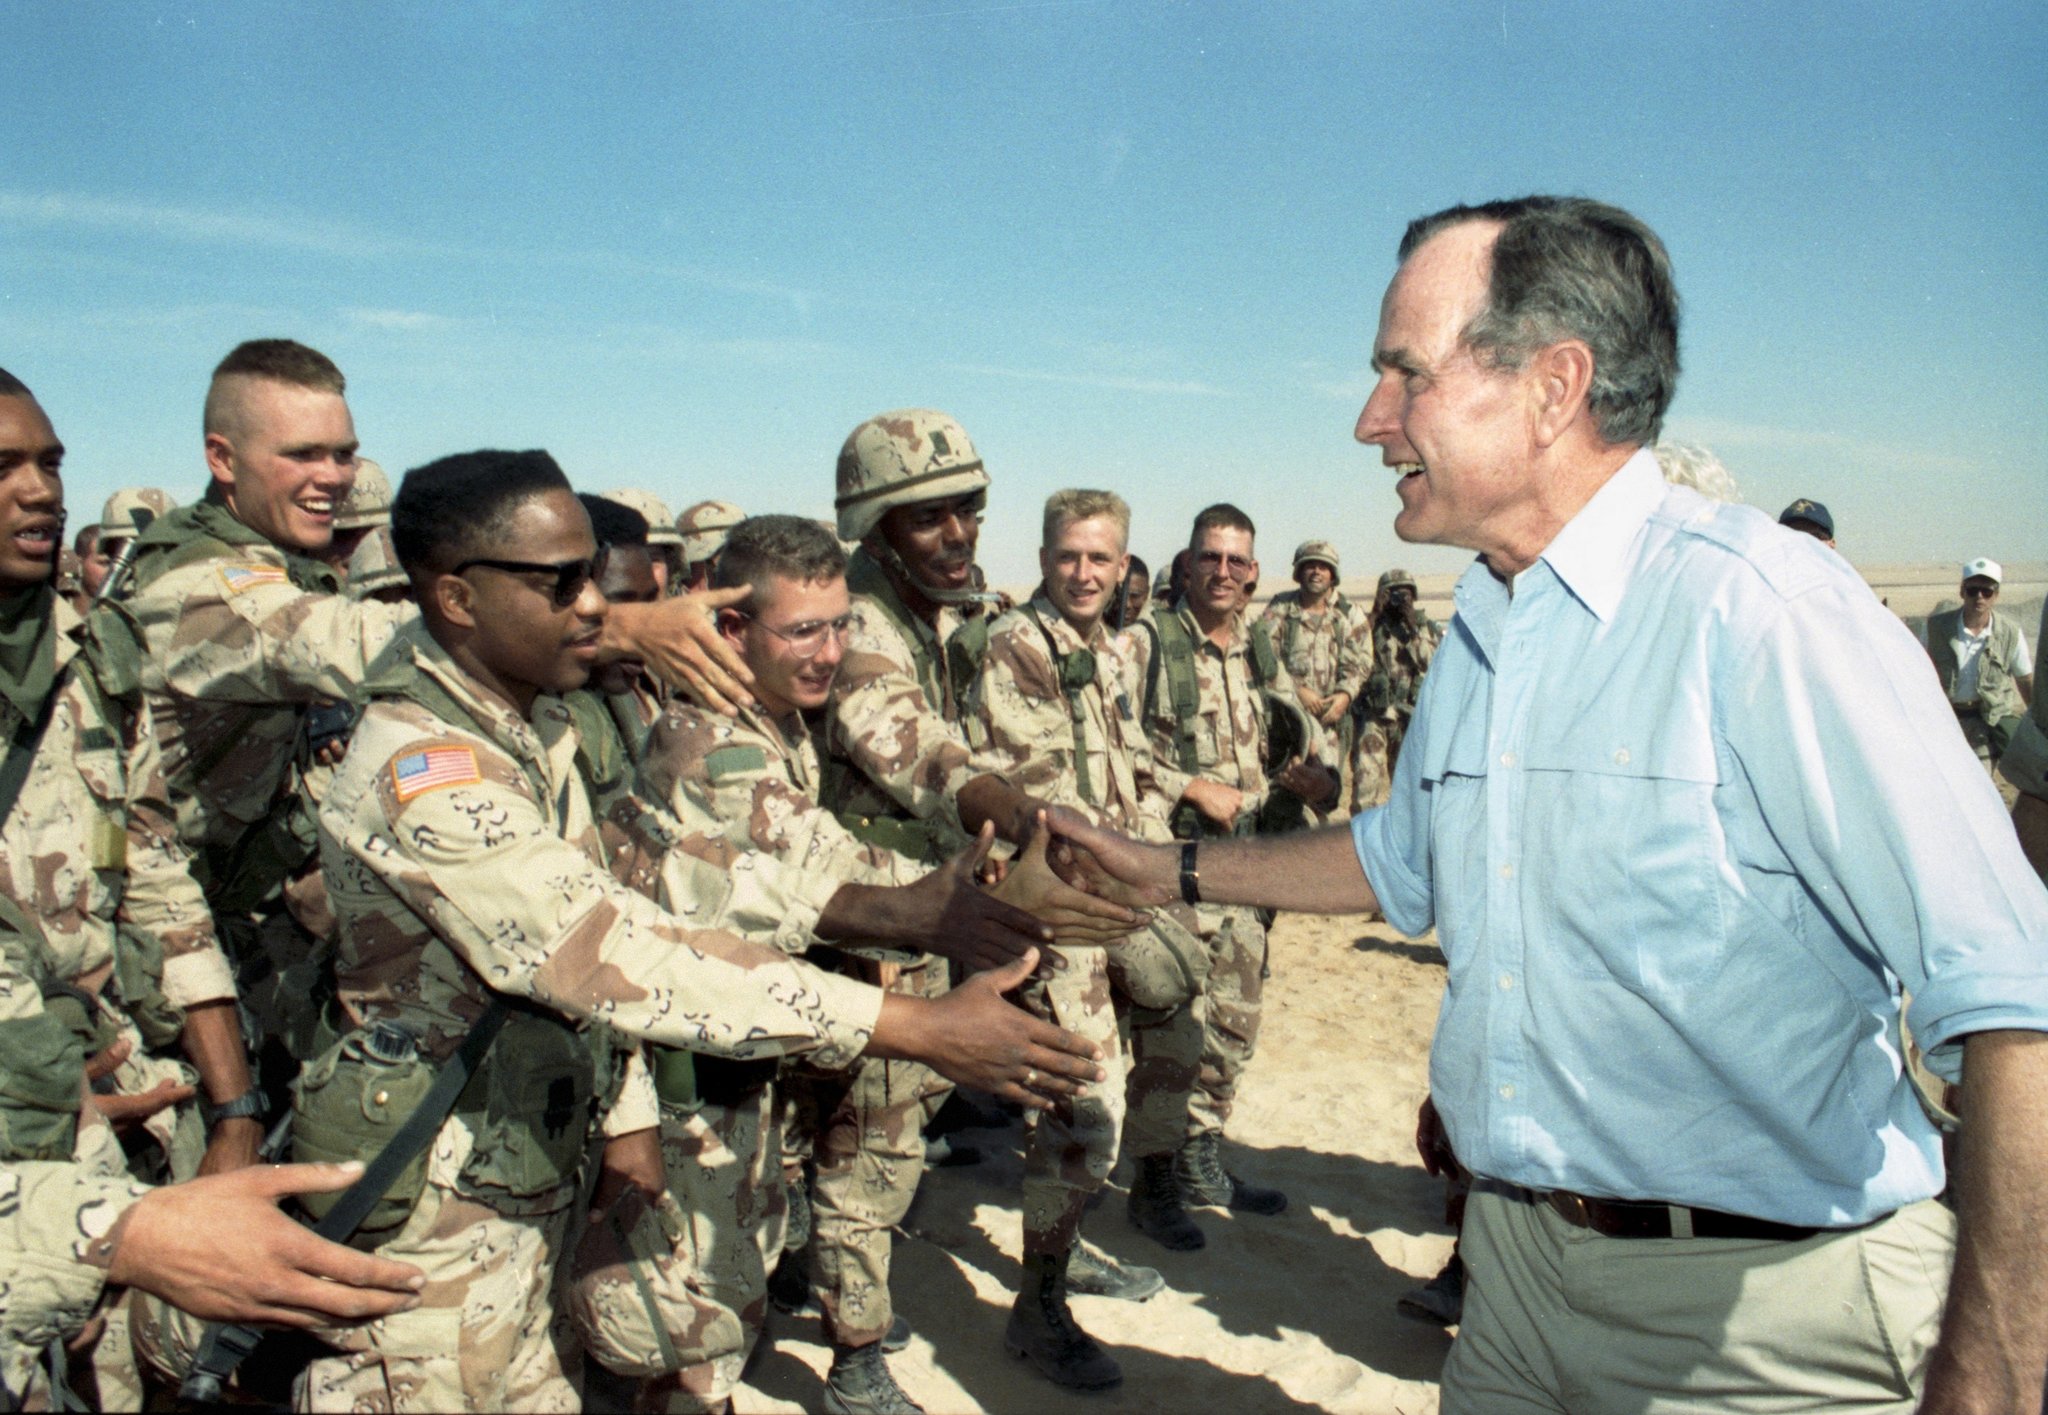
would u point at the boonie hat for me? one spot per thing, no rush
(1812, 512)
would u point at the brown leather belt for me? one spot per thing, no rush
(1615, 1218)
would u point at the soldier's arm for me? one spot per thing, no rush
(234, 631)
(1354, 653)
(888, 731)
(52, 1214)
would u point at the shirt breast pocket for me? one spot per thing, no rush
(1631, 892)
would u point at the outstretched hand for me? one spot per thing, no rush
(1112, 865)
(1078, 919)
(219, 1248)
(973, 1037)
(678, 640)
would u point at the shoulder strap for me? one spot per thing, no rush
(1174, 656)
(1265, 663)
(964, 653)
(1057, 661)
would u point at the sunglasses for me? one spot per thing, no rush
(1238, 567)
(570, 575)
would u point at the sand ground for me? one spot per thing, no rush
(1287, 1313)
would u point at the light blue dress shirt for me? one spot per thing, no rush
(1685, 810)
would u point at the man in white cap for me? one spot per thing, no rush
(1983, 661)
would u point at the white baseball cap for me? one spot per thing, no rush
(1987, 567)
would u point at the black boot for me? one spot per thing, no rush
(1093, 1273)
(1043, 1332)
(860, 1384)
(789, 1286)
(1203, 1180)
(1156, 1209)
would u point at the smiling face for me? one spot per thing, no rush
(1220, 567)
(521, 642)
(936, 539)
(1082, 568)
(284, 456)
(1316, 579)
(1457, 430)
(787, 680)
(31, 494)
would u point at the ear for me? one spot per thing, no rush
(454, 598)
(1563, 381)
(732, 627)
(1045, 562)
(220, 459)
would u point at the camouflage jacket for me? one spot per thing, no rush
(90, 845)
(894, 715)
(754, 782)
(1328, 652)
(1398, 668)
(1230, 727)
(465, 857)
(1067, 741)
(239, 639)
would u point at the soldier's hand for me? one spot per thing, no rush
(631, 1161)
(972, 1037)
(126, 1112)
(678, 640)
(231, 1145)
(947, 913)
(1334, 709)
(1217, 802)
(219, 1248)
(1312, 781)
(1312, 702)
(107, 1060)
(1116, 866)
(1077, 919)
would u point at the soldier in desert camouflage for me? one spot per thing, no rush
(1404, 639)
(1326, 642)
(465, 858)
(704, 528)
(662, 535)
(1211, 684)
(366, 508)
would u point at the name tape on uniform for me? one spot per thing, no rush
(420, 772)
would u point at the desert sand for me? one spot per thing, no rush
(1276, 1314)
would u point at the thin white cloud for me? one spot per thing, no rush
(1115, 383)
(1350, 388)
(70, 211)
(1723, 433)
(419, 320)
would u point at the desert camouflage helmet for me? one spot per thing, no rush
(1396, 577)
(1316, 550)
(661, 527)
(705, 526)
(118, 518)
(368, 502)
(900, 459)
(374, 565)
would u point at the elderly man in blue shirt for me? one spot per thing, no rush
(1685, 807)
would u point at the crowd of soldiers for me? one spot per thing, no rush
(596, 907)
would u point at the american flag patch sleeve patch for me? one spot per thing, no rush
(246, 577)
(419, 772)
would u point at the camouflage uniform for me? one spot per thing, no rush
(1383, 710)
(467, 859)
(1074, 744)
(1210, 1044)
(1328, 652)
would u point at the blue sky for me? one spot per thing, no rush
(1138, 244)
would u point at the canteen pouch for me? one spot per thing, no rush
(348, 1103)
(529, 1109)
(1161, 966)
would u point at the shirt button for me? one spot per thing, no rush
(1621, 757)
(1507, 1093)
(1507, 871)
(1507, 982)
(1507, 758)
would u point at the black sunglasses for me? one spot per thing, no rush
(570, 575)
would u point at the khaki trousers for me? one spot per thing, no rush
(1564, 1321)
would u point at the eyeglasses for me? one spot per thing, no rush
(570, 575)
(1237, 566)
(807, 640)
(1984, 591)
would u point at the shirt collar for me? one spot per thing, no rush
(1592, 554)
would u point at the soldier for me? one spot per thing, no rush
(1136, 596)
(1404, 639)
(470, 879)
(374, 571)
(704, 528)
(80, 581)
(366, 508)
(128, 513)
(753, 782)
(1326, 642)
(1052, 714)
(626, 575)
(1211, 683)
(662, 535)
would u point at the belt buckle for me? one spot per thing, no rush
(1571, 1208)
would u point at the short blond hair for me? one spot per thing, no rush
(283, 361)
(1081, 504)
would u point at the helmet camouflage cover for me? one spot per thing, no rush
(900, 459)
(1316, 550)
(661, 527)
(705, 526)
(117, 518)
(374, 565)
(368, 502)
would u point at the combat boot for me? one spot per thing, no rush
(860, 1384)
(1156, 1209)
(1199, 1171)
(1043, 1332)
(1093, 1273)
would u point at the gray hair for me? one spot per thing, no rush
(1689, 464)
(1573, 268)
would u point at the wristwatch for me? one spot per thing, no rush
(251, 1103)
(1190, 877)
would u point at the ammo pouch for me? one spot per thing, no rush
(1162, 965)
